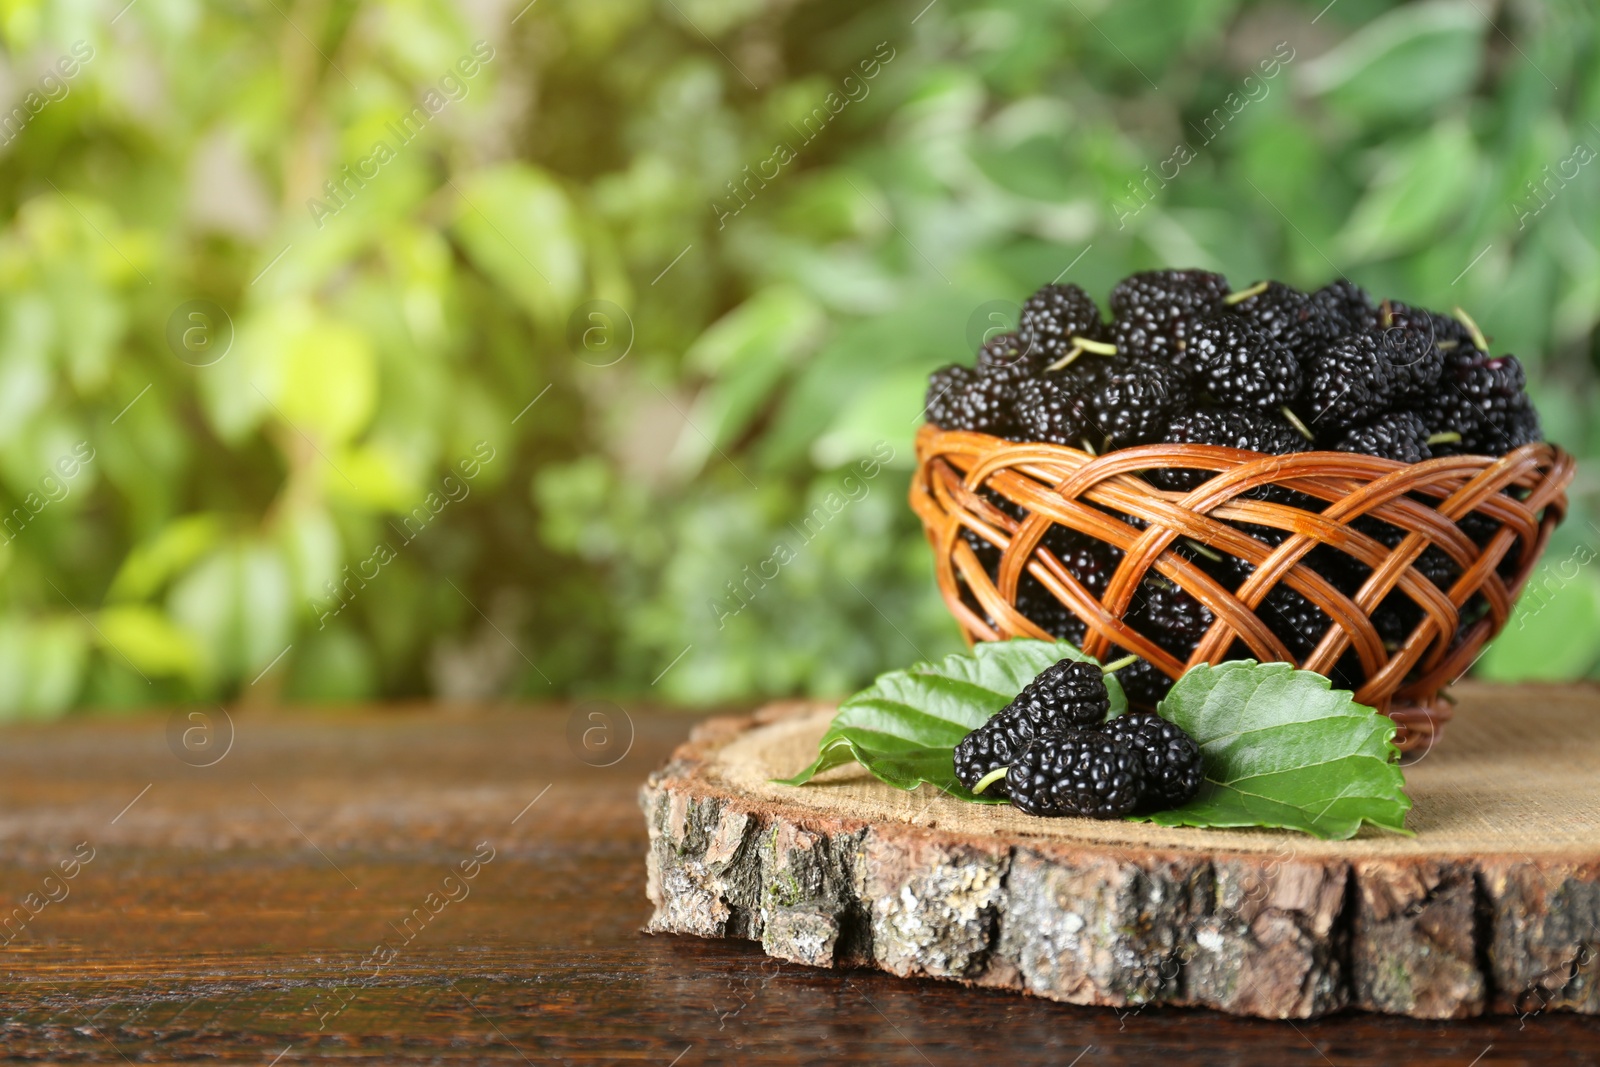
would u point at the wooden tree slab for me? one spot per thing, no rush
(1494, 905)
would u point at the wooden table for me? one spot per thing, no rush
(275, 907)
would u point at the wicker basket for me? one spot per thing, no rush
(960, 475)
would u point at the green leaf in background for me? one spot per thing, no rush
(152, 564)
(1406, 62)
(517, 224)
(1537, 642)
(1419, 189)
(235, 605)
(904, 727)
(40, 663)
(878, 413)
(329, 380)
(745, 354)
(147, 639)
(1284, 749)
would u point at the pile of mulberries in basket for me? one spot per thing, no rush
(1268, 368)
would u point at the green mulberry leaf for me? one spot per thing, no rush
(905, 726)
(1282, 748)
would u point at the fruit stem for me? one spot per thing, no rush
(1245, 294)
(1472, 328)
(1294, 420)
(989, 779)
(1099, 348)
(1449, 437)
(1205, 550)
(1388, 315)
(1117, 664)
(1087, 447)
(1066, 361)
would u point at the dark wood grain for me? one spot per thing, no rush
(227, 913)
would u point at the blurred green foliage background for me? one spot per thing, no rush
(263, 438)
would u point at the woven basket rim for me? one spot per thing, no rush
(1182, 448)
(1055, 484)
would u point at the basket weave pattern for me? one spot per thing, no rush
(1053, 484)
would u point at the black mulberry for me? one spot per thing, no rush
(1087, 559)
(1296, 621)
(1143, 683)
(1287, 316)
(1410, 345)
(1172, 763)
(1053, 409)
(1068, 693)
(1008, 356)
(1344, 308)
(1079, 772)
(1398, 435)
(1056, 314)
(1445, 331)
(992, 398)
(1178, 618)
(1134, 400)
(1239, 367)
(1153, 312)
(1042, 609)
(1351, 381)
(947, 389)
(1258, 431)
(991, 746)
(1485, 401)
